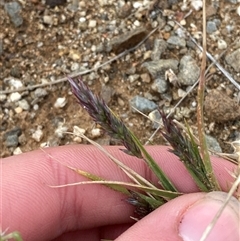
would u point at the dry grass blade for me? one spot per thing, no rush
(200, 120)
(155, 191)
(135, 177)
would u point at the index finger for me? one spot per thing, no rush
(49, 212)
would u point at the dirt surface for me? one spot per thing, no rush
(52, 40)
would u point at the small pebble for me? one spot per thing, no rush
(15, 97)
(3, 97)
(211, 27)
(96, 132)
(92, 24)
(38, 134)
(213, 144)
(142, 104)
(137, 4)
(24, 104)
(74, 55)
(197, 4)
(36, 107)
(181, 93)
(82, 19)
(48, 20)
(61, 129)
(145, 78)
(18, 110)
(60, 102)
(40, 92)
(17, 151)
(15, 83)
(222, 44)
(75, 66)
(11, 140)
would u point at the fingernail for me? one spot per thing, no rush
(198, 216)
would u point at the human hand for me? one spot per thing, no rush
(94, 212)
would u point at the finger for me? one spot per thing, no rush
(186, 218)
(52, 211)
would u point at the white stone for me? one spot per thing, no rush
(24, 104)
(137, 4)
(36, 107)
(92, 24)
(137, 23)
(60, 102)
(48, 20)
(3, 97)
(181, 92)
(82, 19)
(37, 135)
(15, 96)
(17, 151)
(96, 132)
(194, 104)
(15, 83)
(222, 44)
(197, 4)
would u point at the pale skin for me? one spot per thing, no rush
(90, 212)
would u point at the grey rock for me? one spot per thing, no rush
(158, 68)
(142, 104)
(11, 141)
(158, 48)
(15, 72)
(107, 93)
(40, 92)
(15, 131)
(177, 41)
(160, 85)
(211, 27)
(217, 22)
(73, 6)
(24, 104)
(213, 144)
(233, 59)
(13, 9)
(189, 71)
(11, 137)
(172, 2)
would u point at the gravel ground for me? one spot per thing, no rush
(43, 42)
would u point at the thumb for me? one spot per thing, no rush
(186, 218)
